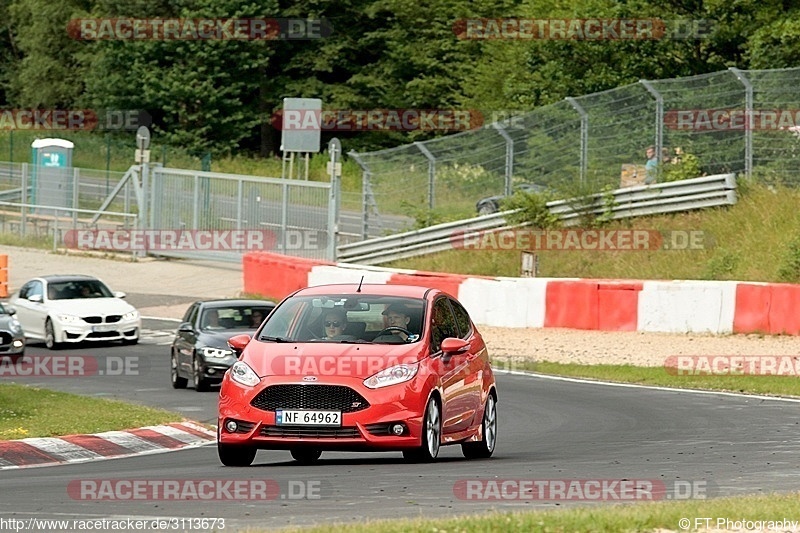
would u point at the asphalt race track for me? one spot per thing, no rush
(549, 430)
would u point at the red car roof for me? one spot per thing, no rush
(410, 291)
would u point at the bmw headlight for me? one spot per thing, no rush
(133, 315)
(241, 373)
(215, 352)
(392, 376)
(69, 319)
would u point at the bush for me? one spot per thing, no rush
(687, 167)
(789, 270)
(532, 210)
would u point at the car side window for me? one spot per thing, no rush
(443, 324)
(462, 320)
(32, 288)
(191, 314)
(23, 292)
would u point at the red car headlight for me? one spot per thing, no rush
(241, 373)
(392, 376)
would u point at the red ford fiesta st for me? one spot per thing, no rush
(359, 367)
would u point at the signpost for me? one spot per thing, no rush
(335, 172)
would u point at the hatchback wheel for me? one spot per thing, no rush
(431, 435)
(177, 381)
(485, 447)
(231, 455)
(306, 456)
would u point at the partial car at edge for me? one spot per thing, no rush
(12, 336)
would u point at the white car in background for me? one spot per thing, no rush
(75, 308)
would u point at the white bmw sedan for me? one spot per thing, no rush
(75, 308)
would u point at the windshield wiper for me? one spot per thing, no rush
(274, 339)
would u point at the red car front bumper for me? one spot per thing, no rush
(362, 429)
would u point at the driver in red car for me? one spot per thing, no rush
(397, 316)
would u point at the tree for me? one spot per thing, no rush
(203, 94)
(48, 73)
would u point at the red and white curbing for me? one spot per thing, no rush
(49, 451)
(672, 306)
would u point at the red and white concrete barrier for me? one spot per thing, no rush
(595, 304)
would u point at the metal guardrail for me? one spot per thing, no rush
(414, 243)
(643, 200)
(660, 198)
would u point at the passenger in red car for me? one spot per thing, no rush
(334, 322)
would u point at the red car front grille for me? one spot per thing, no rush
(310, 397)
(310, 432)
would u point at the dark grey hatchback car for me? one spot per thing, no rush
(200, 350)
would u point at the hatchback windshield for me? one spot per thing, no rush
(346, 318)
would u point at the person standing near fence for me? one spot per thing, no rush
(651, 166)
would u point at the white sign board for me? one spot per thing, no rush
(301, 128)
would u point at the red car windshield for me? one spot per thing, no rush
(346, 318)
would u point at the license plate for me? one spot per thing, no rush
(308, 418)
(103, 328)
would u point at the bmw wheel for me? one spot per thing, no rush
(484, 448)
(200, 383)
(50, 336)
(178, 382)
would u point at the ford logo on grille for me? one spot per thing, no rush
(309, 378)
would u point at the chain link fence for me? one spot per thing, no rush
(730, 121)
(293, 217)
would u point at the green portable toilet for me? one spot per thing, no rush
(51, 179)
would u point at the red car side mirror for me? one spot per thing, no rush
(452, 346)
(238, 342)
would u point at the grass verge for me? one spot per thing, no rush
(33, 412)
(658, 376)
(758, 239)
(651, 516)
